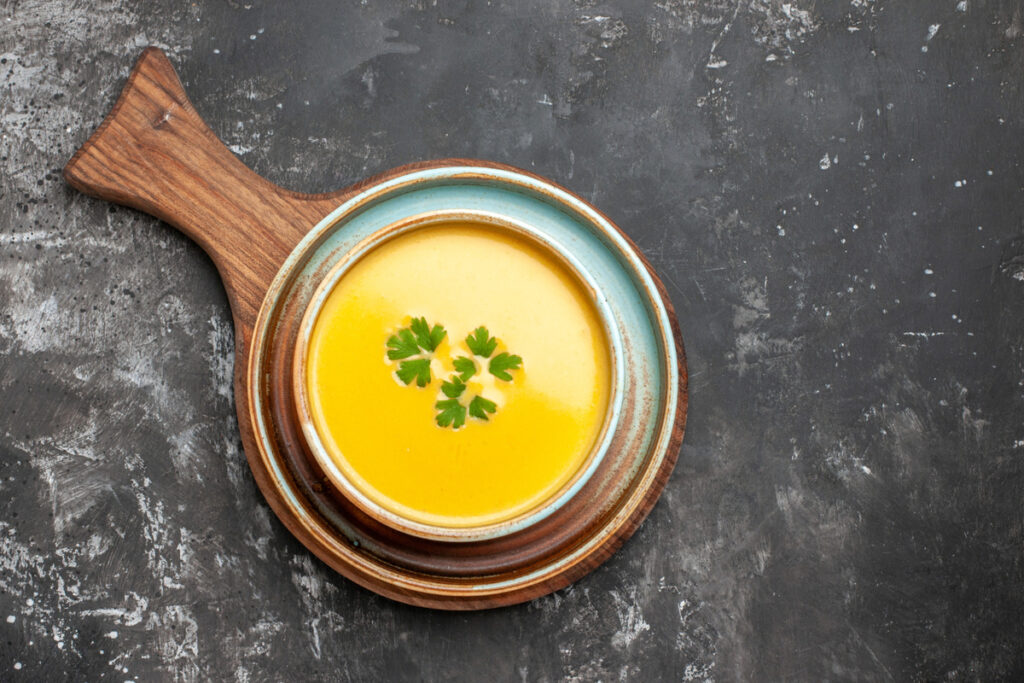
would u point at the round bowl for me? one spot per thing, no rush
(351, 489)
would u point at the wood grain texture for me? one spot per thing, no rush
(153, 152)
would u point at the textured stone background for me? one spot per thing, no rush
(832, 192)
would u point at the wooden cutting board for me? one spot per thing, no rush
(153, 152)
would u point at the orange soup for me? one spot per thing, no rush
(458, 375)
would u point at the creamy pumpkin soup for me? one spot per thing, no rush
(458, 375)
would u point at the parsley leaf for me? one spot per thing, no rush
(426, 337)
(418, 369)
(402, 345)
(480, 406)
(454, 388)
(452, 413)
(502, 363)
(465, 367)
(481, 342)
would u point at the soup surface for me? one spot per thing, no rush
(385, 432)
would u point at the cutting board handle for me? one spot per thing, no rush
(154, 152)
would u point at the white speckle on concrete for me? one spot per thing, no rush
(631, 619)
(932, 30)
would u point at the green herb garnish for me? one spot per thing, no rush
(481, 342)
(465, 367)
(480, 406)
(402, 345)
(452, 413)
(502, 363)
(418, 369)
(419, 339)
(428, 338)
(453, 388)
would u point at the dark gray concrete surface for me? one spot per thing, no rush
(832, 192)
